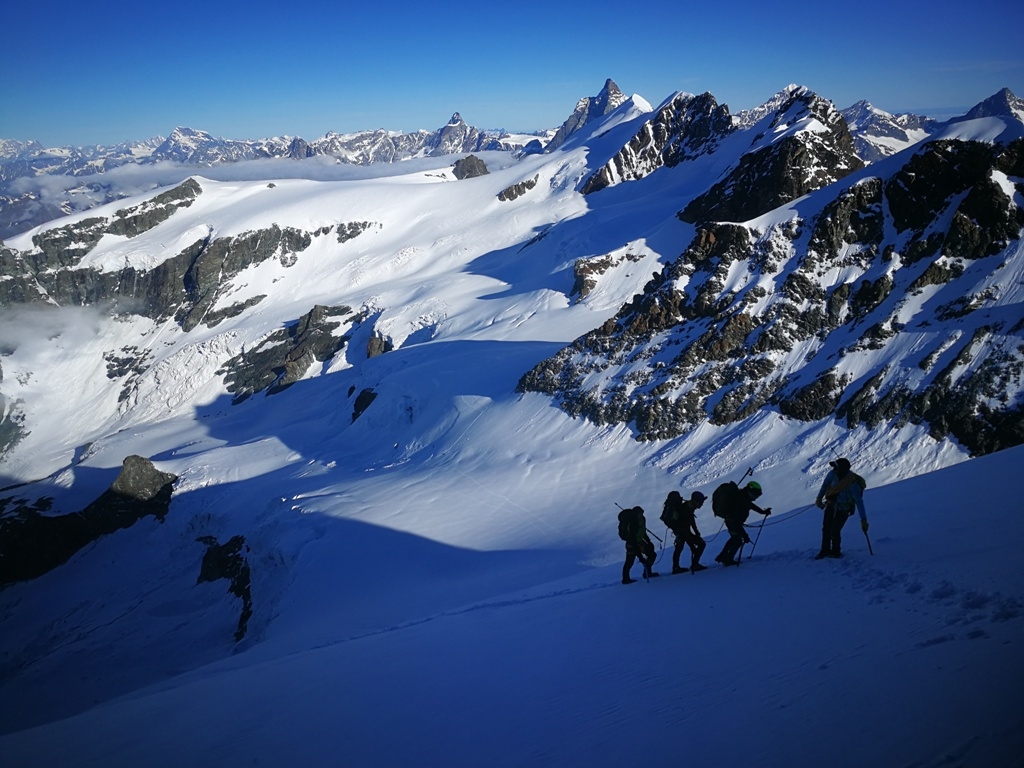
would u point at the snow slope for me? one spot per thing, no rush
(437, 582)
(432, 655)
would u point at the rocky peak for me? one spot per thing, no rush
(685, 127)
(1001, 104)
(804, 145)
(588, 108)
(878, 134)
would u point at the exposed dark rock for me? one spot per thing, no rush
(725, 329)
(142, 218)
(65, 246)
(224, 258)
(588, 109)
(517, 190)
(768, 177)
(683, 129)
(363, 400)
(815, 401)
(12, 424)
(378, 345)
(854, 217)
(352, 230)
(285, 356)
(33, 543)
(469, 167)
(586, 271)
(936, 172)
(229, 561)
(217, 316)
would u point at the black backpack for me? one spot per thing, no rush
(627, 524)
(670, 514)
(725, 500)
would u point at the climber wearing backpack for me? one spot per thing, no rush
(680, 517)
(734, 504)
(841, 493)
(633, 531)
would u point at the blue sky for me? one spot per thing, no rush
(79, 73)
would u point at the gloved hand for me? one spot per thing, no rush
(767, 511)
(819, 503)
(864, 525)
(746, 539)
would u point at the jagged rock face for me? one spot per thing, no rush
(185, 286)
(230, 561)
(586, 271)
(1003, 103)
(515, 191)
(586, 110)
(469, 167)
(284, 357)
(789, 157)
(33, 542)
(789, 317)
(684, 128)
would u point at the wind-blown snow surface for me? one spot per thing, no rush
(437, 583)
(423, 654)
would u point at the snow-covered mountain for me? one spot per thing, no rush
(297, 467)
(39, 184)
(879, 134)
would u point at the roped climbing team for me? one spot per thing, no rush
(840, 495)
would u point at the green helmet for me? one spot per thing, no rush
(755, 487)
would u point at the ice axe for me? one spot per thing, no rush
(869, 543)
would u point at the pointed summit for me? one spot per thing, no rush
(586, 110)
(1001, 104)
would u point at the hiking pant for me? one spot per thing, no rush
(696, 544)
(832, 524)
(634, 553)
(737, 536)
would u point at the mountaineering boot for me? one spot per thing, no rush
(628, 580)
(697, 567)
(677, 569)
(822, 555)
(730, 561)
(835, 553)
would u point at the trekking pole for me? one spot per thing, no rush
(756, 538)
(869, 543)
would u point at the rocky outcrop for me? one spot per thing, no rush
(788, 317)
(229, 561)
(587, 109)
(586, 271)
(804, 146)
(186, 286)
(33, 542)
(514, 191)
(469, 167)
(684, 128)
(363, 401)
(284, 357)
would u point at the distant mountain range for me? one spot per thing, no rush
(28, 199)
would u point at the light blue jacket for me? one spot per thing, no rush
(850, 497)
